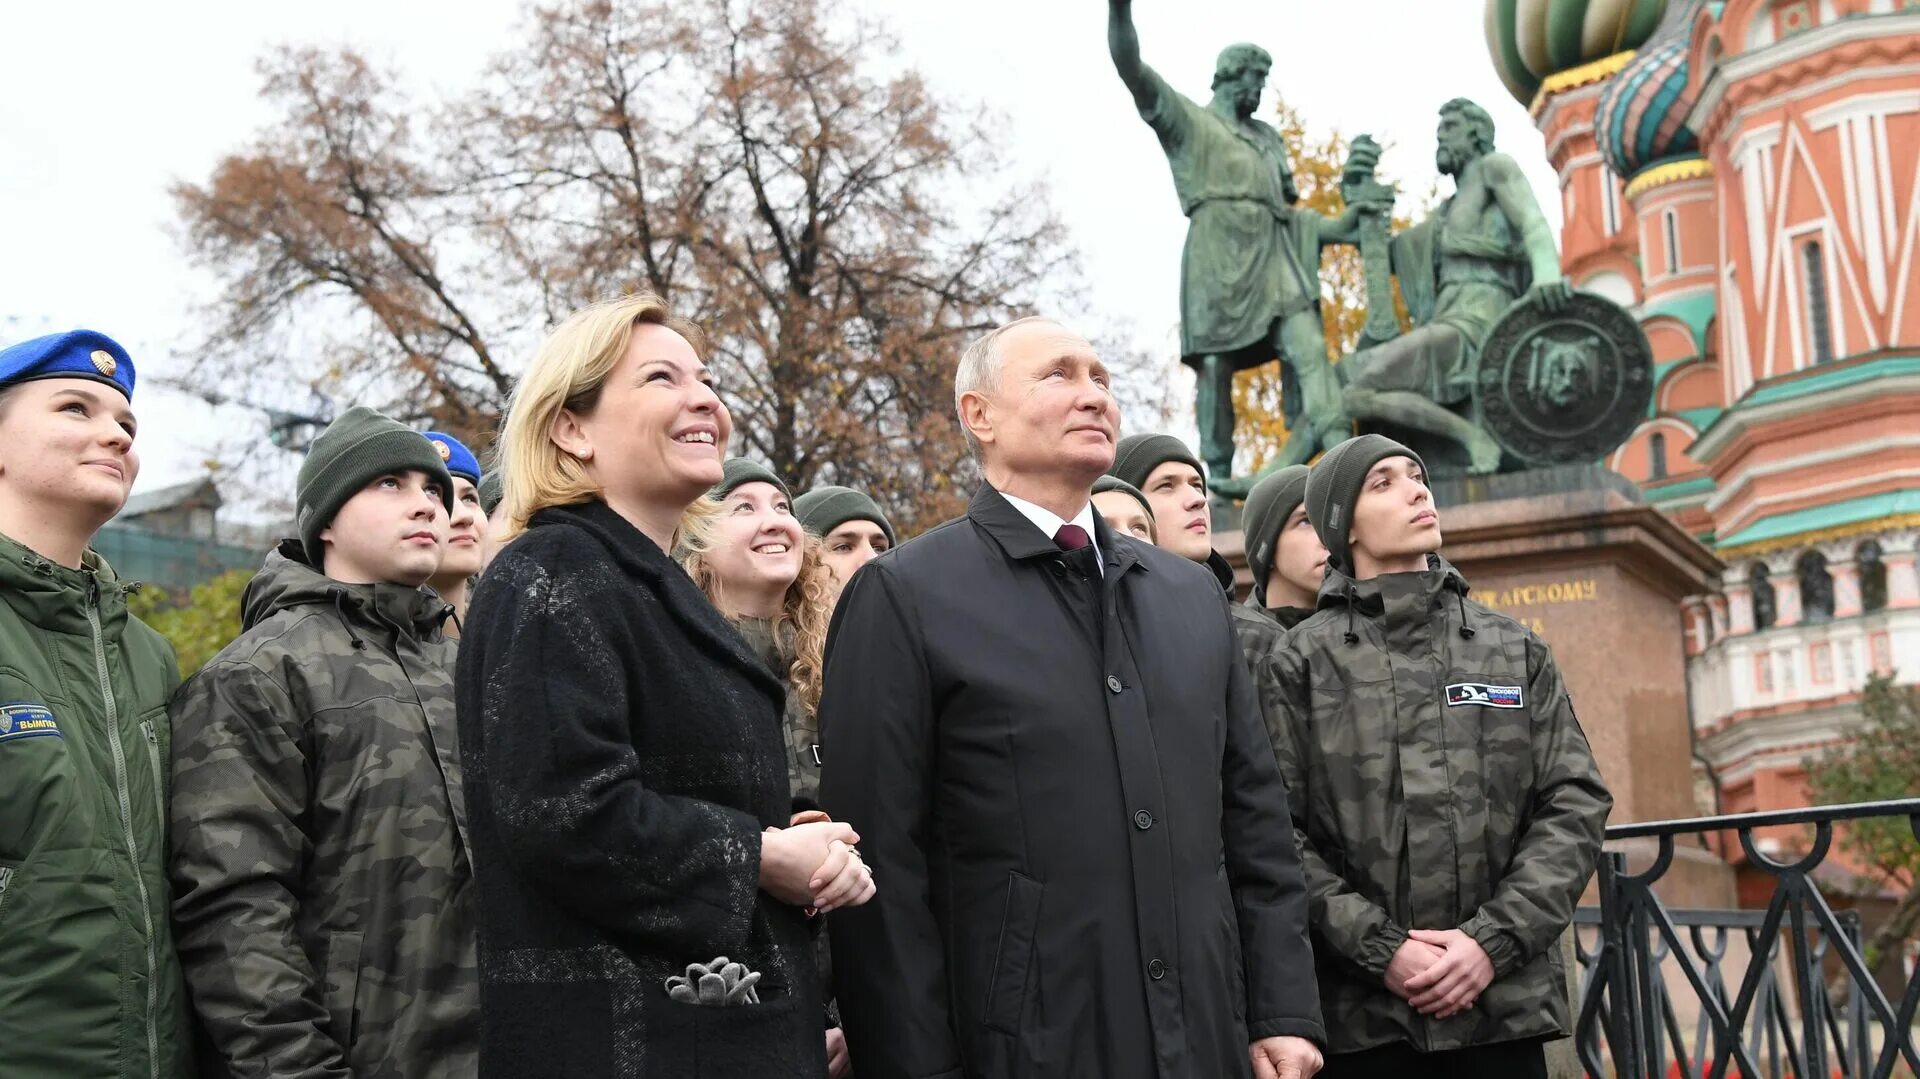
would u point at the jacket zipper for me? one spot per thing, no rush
(159, 790)
(125, 795)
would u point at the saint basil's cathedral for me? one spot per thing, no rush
(1744, 177)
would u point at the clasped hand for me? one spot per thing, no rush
(814, 864)
(1441, 972)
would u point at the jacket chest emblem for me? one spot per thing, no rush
(1484, 695)
(27, 719)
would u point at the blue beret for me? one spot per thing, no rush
(460, 460)
(74, 354)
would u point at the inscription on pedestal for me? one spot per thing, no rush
(1523, 602)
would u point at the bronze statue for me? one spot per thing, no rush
(1250, 271)
(1506, 366)
(1487, 247)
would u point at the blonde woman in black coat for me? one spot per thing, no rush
(627, 789)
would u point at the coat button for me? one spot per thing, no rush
(1113, 683)
(1143, 820)
(1156, 970)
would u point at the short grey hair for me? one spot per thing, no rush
(979, 372)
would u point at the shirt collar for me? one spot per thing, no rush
(1049, 522)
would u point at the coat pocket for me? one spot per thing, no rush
(343, 984)
(703, 1041)
(1013, 956)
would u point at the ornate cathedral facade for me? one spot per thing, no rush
(1744, 176)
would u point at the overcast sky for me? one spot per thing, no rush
(104, 105)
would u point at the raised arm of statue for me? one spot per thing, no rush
(1148, 89)
(1515, 197)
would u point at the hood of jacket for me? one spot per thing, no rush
(1288, 617)
(1222, 571)
(54, 597)
(1400, 603)
(287, 580)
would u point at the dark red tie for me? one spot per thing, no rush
(1071, 538)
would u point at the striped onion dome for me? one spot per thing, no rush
(1640, 118)
(1532, 39)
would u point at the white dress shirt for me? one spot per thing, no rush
(1049, 523)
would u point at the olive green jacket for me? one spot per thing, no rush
(89, 985)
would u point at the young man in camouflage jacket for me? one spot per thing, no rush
(1446, 805)
(323, 894)
(1286, 559)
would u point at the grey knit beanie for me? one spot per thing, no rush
(739, 471)
(354, 450)
(824, 509)
(1138, 455)
(491, 492)
(1269, 504)
(1334, 486)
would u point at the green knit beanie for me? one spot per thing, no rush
(1114, 483)
(1334, 486)
(1138, 455)
(1269, 504)
(355, 449)
(739, 471)
(491, 492)
(824, 509)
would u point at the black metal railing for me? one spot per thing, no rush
(1665, 992)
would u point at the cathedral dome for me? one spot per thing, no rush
(1640, 119)
(1531, 40)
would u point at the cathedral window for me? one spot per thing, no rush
(1765, 612)
(1816, 587)
(1873, 577)
(1819, 326)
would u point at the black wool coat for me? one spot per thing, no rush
(1078, 831)
(623, 753)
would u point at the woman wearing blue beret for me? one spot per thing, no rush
(465, 553)
(89, 984)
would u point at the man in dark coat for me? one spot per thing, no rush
(1049, 739)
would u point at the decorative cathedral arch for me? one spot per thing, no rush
(1816, 587)
(1766, 610)
(1873, 576)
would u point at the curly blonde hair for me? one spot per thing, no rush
(807, 609)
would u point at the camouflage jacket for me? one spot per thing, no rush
(1438, 780)
(323, 895)
(88, 981)
(1261, 630)
(799, 726)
